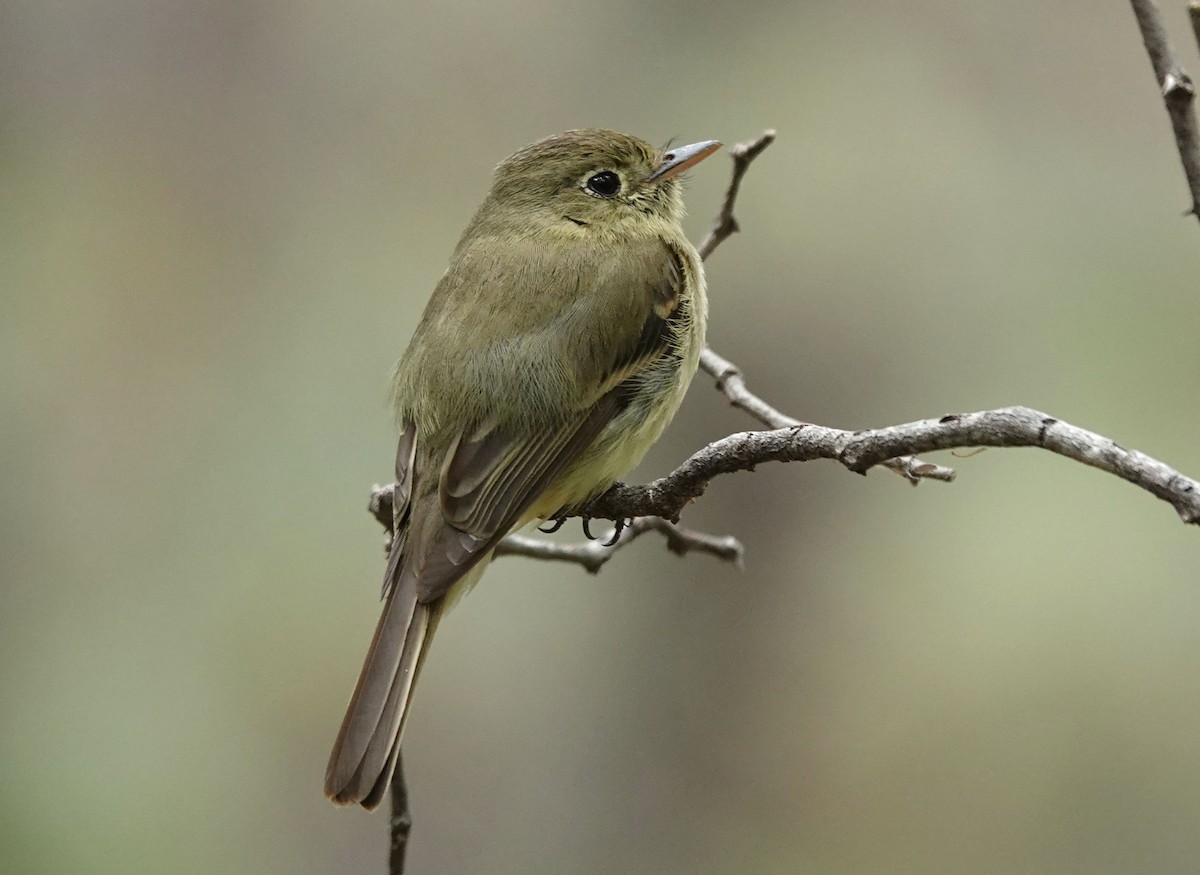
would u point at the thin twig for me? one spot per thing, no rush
(1177, 89)
(732, 384)
(725, 223)
(592, 555)
(1194, 15)
(401, 823)
(727, 375)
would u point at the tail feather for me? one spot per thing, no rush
(364, 755)
(378, 760)
(388, 768)
(429, 555)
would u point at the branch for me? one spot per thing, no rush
(859, 451)
(1194, 15)
(401, 823)
(1177, 89)
(727, 375)
(593, 554)
(725, 224)
(733, 385)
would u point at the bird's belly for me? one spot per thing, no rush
(623, 443)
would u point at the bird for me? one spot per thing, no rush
(552, 354)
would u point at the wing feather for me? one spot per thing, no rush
(523, 470)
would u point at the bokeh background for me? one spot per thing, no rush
(220, 222)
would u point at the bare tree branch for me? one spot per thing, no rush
(1194, 15)
(593, 554)
(725, 223)
(401, 820)
(1177, 89)
(731, 383)
(726, 374)
(859, 451)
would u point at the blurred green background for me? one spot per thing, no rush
(220, 222)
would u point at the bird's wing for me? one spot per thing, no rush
(492, 476)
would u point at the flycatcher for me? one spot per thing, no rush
(553, 353)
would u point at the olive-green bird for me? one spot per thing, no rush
(553, 353)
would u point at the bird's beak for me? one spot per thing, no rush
(680, 159)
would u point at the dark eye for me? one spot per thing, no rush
(605, 183)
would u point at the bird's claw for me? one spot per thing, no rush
(556, 523)
(618, 527)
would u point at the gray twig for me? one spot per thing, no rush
(725, 223)
(401, 820)
(858, 451)
(1194, 15)
(732, 384)
(593, 554)
(1177, 89)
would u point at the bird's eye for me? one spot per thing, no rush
(605, 183)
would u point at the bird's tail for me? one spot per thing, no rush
(368, 745)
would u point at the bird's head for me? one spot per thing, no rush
(593, 181)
